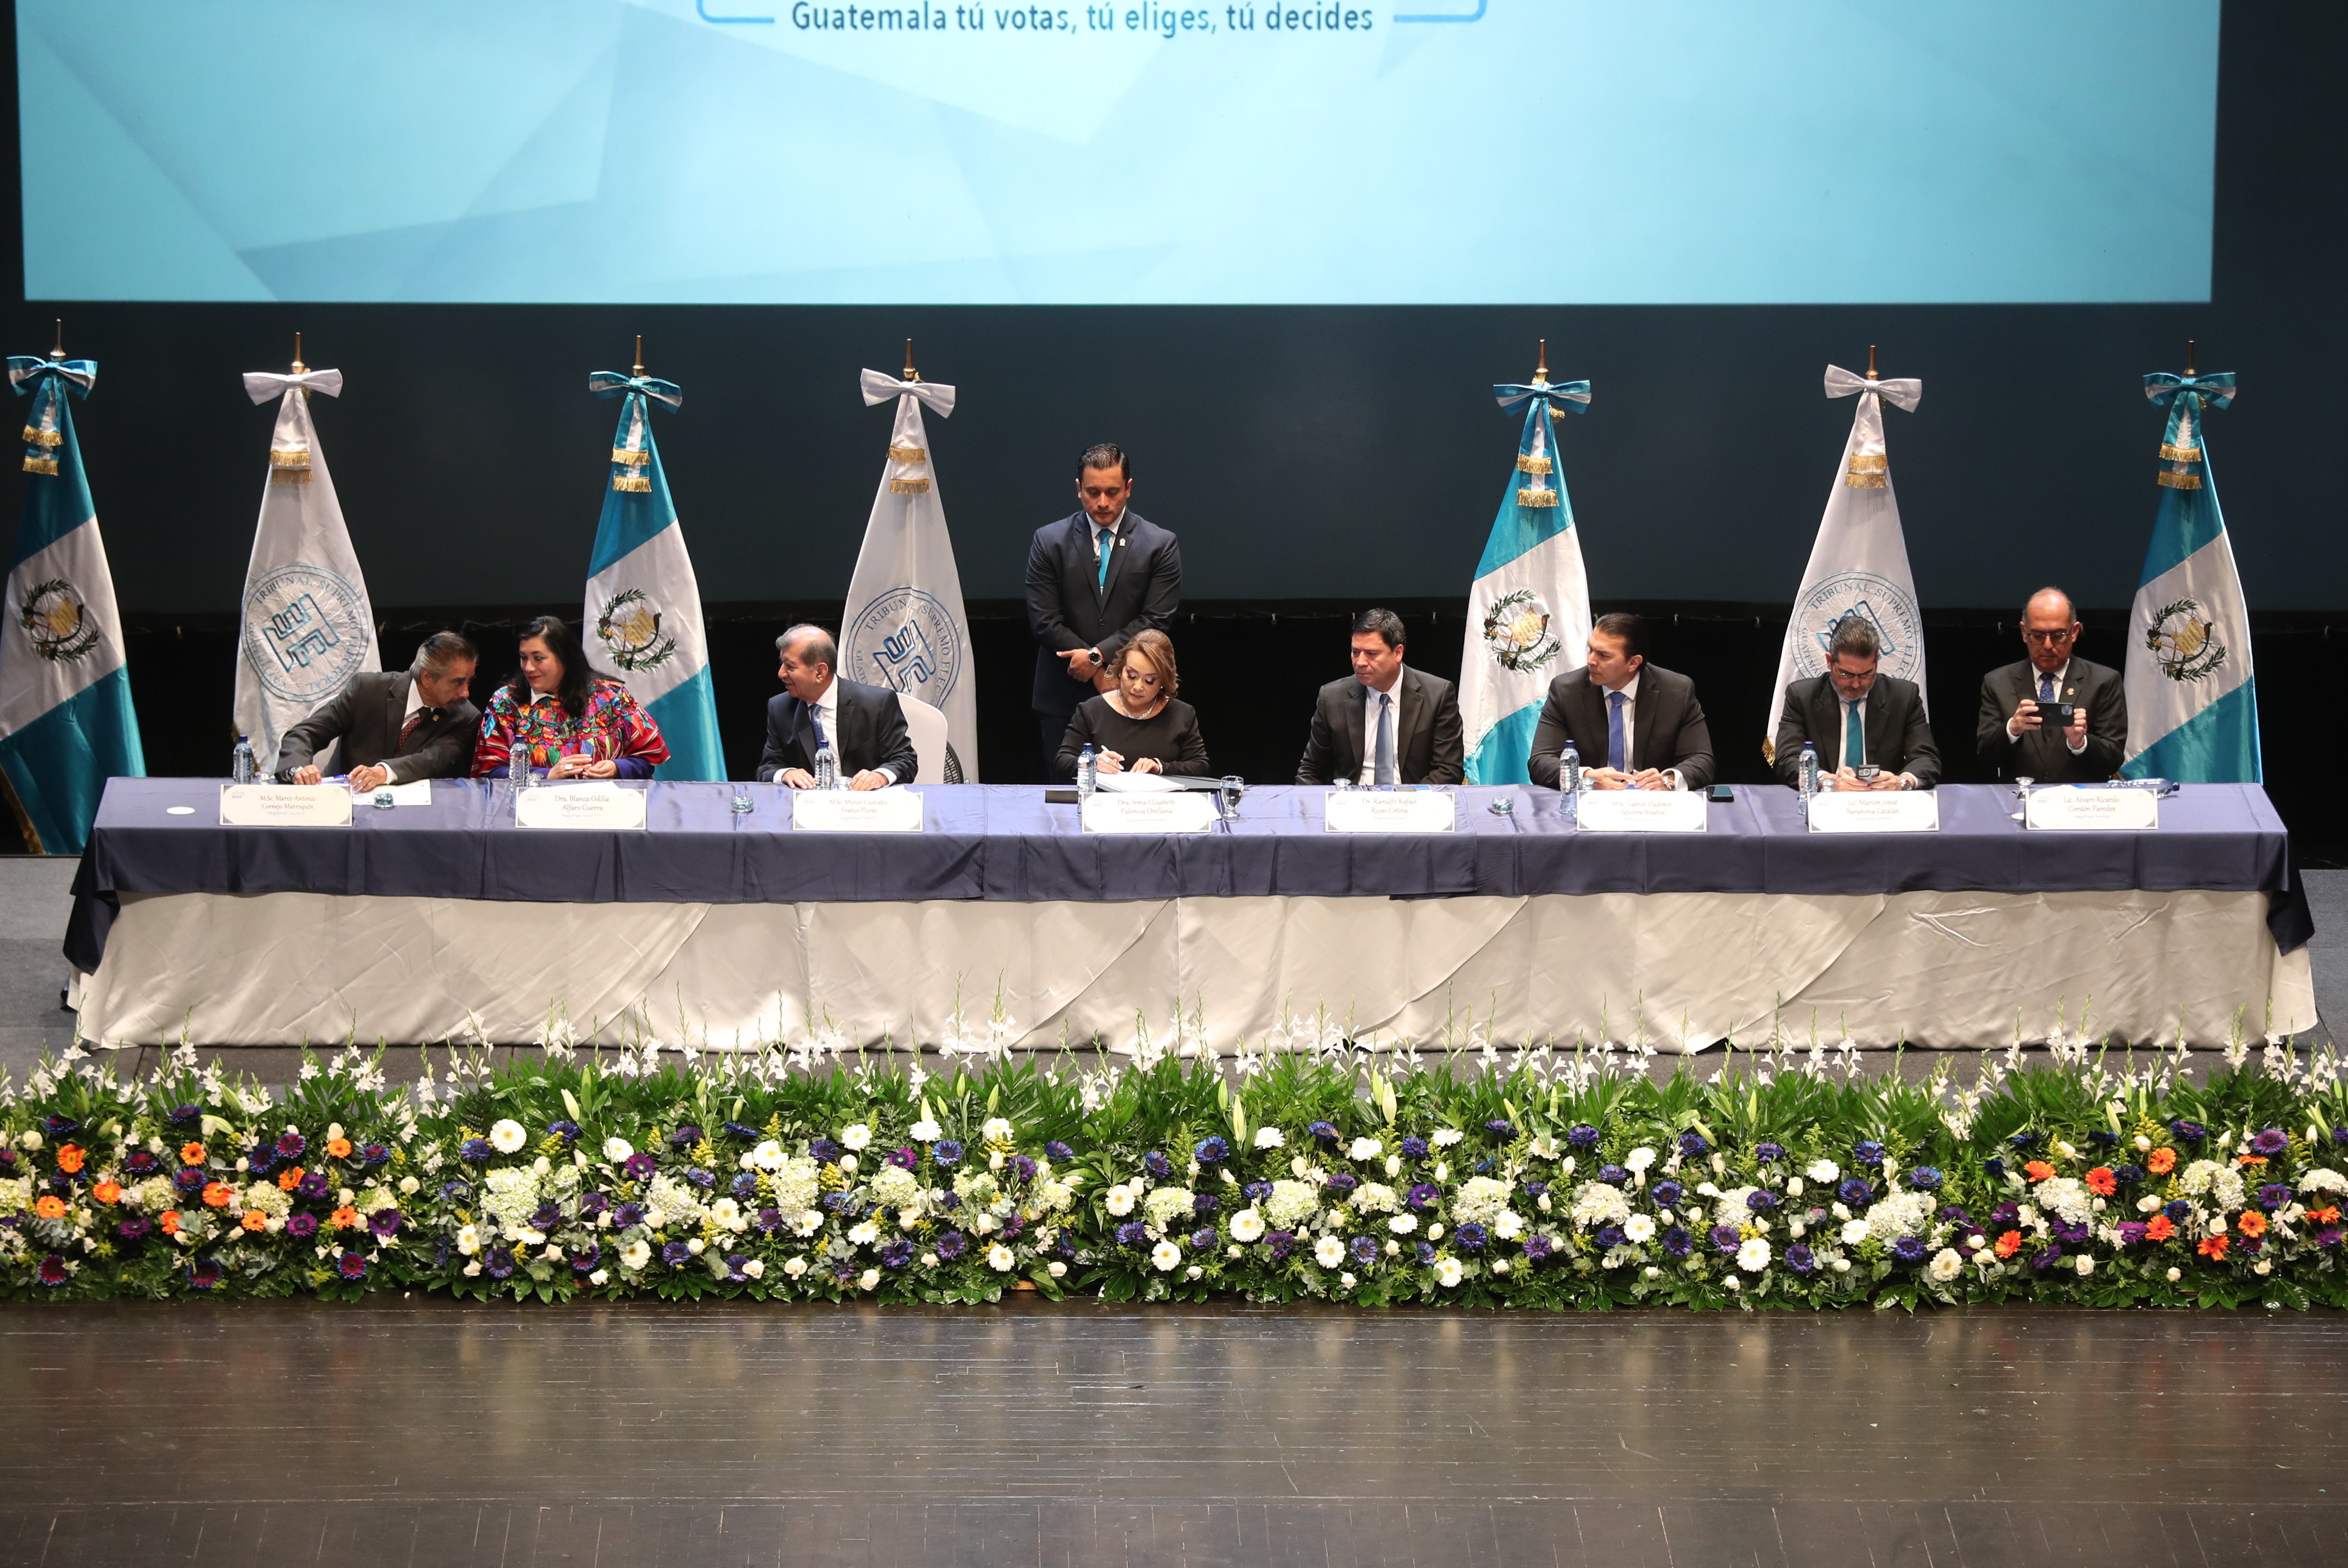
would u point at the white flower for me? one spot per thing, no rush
(1365, 1148)
(864, 1234)
(795, 1267)
(1446, 1136)
(637, 1253)
(696, 1246)
(409, 1186)
(2142, 1144)
(1499, 1265)
(768, 1156)
(995, 1130)
(1507, 1224)
(1793, 1186)
(925, 1132)
(1480, 1198)
(869, 1279)
(1270, 1138)
(1639, 1159)
(1345, 1280)
(1057, 1269)
(1639, 1229)
(2264, 1265)
(1394, 1165)
(2086, 1264)
(1946, 1264)
(1596, 1204)
(473, 1270)
(1165, 1254)
(507, 1137)
(1902, 1214)
(1118, 1200)
(1854, 1232)
(1731, 1209)
(999, 1258)
(601, 1276)
(1734, 1283)
(1247, 1225)
(2175, 1275)
(855, 1135)
(1823, 1170)
(1394, 1249)
(468, 1240)
(1842, 1265)
(1292, 1204)
(1167, 1205)
(1754, 1256)
(2066, 1196)
(617, 1149)
(1403, 1225)
(755, 1268)
(1447, 1272)
(2324, 1179)
(1328, 1251)
(1377, 1198)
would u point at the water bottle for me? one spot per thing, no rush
(826, 767)
(524, 777)
(240, 766)
(1806, 772)
(1569, 770)
(1088, 773)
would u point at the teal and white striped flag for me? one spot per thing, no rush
(66, 720)
(643, 621)
(2193, 703)
(1528, 611)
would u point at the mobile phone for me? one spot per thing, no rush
(1721, 794)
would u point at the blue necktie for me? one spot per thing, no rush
(1854, 737)
(814, 717)
(1103, 541)
(1384, 773)
(2045, 687)
(1617, 753)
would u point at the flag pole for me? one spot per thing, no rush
(910, 374)
(639, 371)
(59, 352)
(2189, 356)
(1541, 373)
(1870, 363)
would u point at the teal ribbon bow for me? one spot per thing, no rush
(2186, 397)
(612, 383)
(1567, 396)
(46, 382)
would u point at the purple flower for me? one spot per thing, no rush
(676, 1255)
(1995, 1167)
(1669, 1193)
(640, 1167)
(53, 1269)
(2273, 1195)
(2048, 1259)
(1132, 1233)
(1157, 1164)
(904, 1159)
(1582, 1136)
(1500, 1128)
(1013, 1227)
(734, 1260)
(1608, 1236)
(134, 1228)
(1412, 1148)
(2186, 1132)
(475, 1151)
(946, 1152)
(2075, 1234)
(2128, 1175)
(374, 1154)
(2005, 1216)
(1343, 1181)
(292, 1145)
(351, 1265)
(2328, 1238)
(204, 1274)
(1282, 1243)
(2271, 1143)
(1801, 1259)
(896, 1255)
(743, 1186)
(1201, 1239)
(1534, 1189)
(547, 1217)
(769, 1221)
(1692, 1143)
(1204, 1204)
(1727, 1238)
(1678, 1242)
(500, 1264)
(844, 1272)
(685, 1137)
(315, 1188)
(2024, 1140)
(1023, 1168)
(1323, 1131)
(1854, 1191)
(58, 1127)
(1909, 1249)
(140, 1164)
(627, 1215)
(384, 1224)
(824, 1151)
(1426, 1254)
(302, 1227)
(1925, 1179)
(1258, 1191)
(952, 1245)
(1769, 1154)
(585, 1257)
(1056, 1150)
(188, 1179)
(950, 1202)
(733, 1130)
(1423, 1196)
(1212, 1150)
(591, 1205)
(182, 1115)
(1613, 1175)
(566, 1130)
(1760, 1200)
(1472, 1237)
(2131, 1232)
(700, 1178)
(1365, 1250)
(1869, 1153)
(1537, 1247)
(2178, 1210)
(262, 1158)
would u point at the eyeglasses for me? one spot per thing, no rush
(2048, 639)
(1140, 680)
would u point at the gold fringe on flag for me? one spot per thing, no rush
(2168, 477)
(1536, 497)
(1867, 481)
(1527, 464)
(289, 476)
(640, 482)
(40, 465)
(1869, 463)
(909, 487)
(295, 457)
(632, 459)
(908, 454)
(2179, 454)
(36, 437)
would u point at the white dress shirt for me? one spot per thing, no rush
(827, 708)
(1370, 729)
(2037, 686)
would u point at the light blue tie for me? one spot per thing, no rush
(1617, 752)
(1384, 773)
(814, 717)
(1103, 541)
(1854, 737)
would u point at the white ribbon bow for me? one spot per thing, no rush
(261, 385)
(880, 386)
(1905, 393)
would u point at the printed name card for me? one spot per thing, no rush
(889, 810)
(1190, 812)
(1391, 811)
(587, 806)
(2094, 810)
(1873, 811)
(285, 805)
(1640, 811)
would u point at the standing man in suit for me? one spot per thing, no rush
(395, 726)
(864, 724)
(2016, 740)
(1641, 724)
(1093, 580)
(1384, 723)
(1857, 719)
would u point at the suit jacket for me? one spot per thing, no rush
(871, 733)
(1067, 609)
(1898, 739)
(2040, 754)
(1667, 727)
(1428, 746)
(367, 715)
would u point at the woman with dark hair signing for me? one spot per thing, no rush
(563, 718)
(1138, 727)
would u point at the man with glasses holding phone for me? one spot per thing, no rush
(2053, 717)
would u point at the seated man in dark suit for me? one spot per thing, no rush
(2016, 740)
(1635, 725)
(1884, 713)
(395, 726)
(1384, 723)
(864, 724)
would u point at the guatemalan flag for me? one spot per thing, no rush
(66, 721)
(642, 620)
(2193, 704)
(1528, 611)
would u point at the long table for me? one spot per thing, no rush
(715, 927)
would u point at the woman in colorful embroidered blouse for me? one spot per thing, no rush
(569, 721)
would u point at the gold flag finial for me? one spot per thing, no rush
(59, 352)
(1870, 363)
(298, 366)
(1541, 374)
(639, 354)
(2189, 356)
(910, 374)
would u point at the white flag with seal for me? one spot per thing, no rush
(1859, 564)
(905, 628)
(305, 626)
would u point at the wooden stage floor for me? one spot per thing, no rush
(431, 1433)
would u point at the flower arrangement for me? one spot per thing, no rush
(1540, 1181)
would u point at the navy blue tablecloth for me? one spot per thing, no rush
(1004, 842)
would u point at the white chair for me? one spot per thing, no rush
(927, 726)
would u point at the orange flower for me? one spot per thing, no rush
(2160, 1228)
(338, 1148)
(50, 1207)
(2250, 1160)
(2325, 1216)
(217, 1194)
(107, 1192)
(192, 1154)
(70, 1156)
(2009, 1244)
(2161, 1161)
(289, 1178)
(169, 1220)
(2038, 1170)
(254, 1220)
(2252, 1223)
(345, 1217)
(2213, 1247)
(2102, 1183)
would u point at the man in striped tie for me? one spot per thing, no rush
(1870, 728)
(394, 726)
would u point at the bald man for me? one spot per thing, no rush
(2018, 738)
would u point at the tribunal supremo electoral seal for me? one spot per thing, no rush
(306, 631)
(906, 640)
(1874, 598)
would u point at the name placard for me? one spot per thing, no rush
(589, 805)
(1186, 812)
(2090, 810)
(1391, 811)
(285, 805)
(889, 810)
(1872, 811)
(1640, 811)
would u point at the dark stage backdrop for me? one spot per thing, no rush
(1311, 458)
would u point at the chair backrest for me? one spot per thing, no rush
(927, 726)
